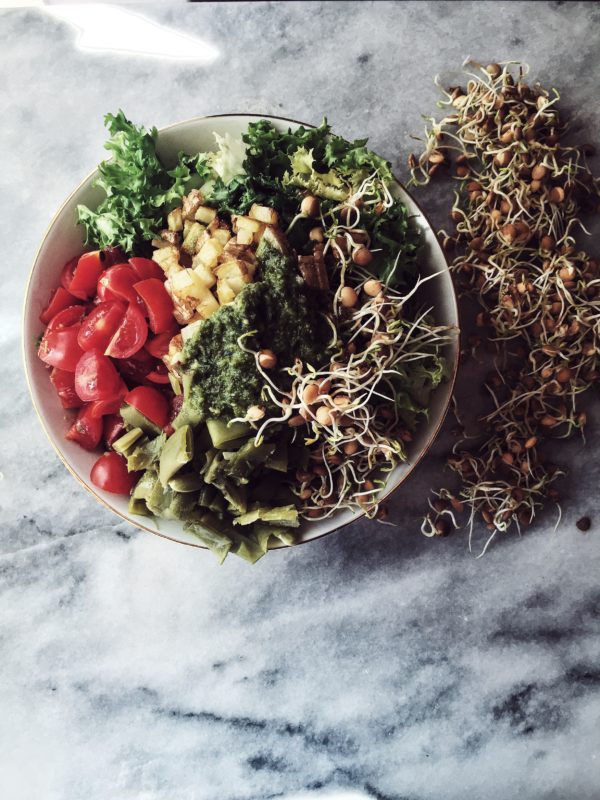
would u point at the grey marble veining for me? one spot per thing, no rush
(373, 663)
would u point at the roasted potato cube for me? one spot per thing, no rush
(222, 235)
(184, 308)
(225, 293)
(207, 305)
(192, 238)
(205, 214)
(209, 252)
(264, 214)
(245, 236)
(186, 283)
(235, 273)
(192, 203)
(172, 237)
(245, 223)
(175, 220)
(167, 257)
(205, 274)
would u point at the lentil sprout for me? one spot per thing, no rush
(521, 193)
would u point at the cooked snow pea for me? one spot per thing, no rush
(278, 460)
(213, 466)
(282, 515)
(159, 499)
(146, 453)
(243, 463)
(260, 529)
(213, 533)
(183, 506)
(134, 419)
(249, 548)
(189, 482)
(187, 416)
(223, 435)
(126, 442)
(144, 486)
(138, 507)
(177, 451)
(235, 495)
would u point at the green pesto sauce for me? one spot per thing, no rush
(225, 381)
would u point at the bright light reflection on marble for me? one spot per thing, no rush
(118, 30)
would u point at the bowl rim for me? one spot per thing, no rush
(358, 515)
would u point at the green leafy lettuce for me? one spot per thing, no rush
(138, 186)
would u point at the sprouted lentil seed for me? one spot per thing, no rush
(521, 193)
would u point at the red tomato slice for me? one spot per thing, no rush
(110, 473)
(159, 375)
(116, 283)
(101, 408)
(72, 315)
(64, 383)
(111, 256)
(158, 304)
(112, 428)
(59, 300)
(151, 403)
(158, 346)
(96, 377)
(86, 430)
(59, 348)
(66, 276)
(130, 336)
(86, 274)
(100, 326)
(146, 268)
(135, 369)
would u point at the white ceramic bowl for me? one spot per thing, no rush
(64, 239)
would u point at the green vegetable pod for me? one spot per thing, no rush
(178, 450)
(126, 442)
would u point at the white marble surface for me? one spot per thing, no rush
(373, 663)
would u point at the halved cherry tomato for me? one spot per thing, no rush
(64, 383)
(116, 283)
(66, 276)
(59, 300)
(86, 430)
(59, 348)
(158, 346)
(96, 377)
(130, 336)
(69, 316)
(135, 369)
(112, 427)
(151, 403)
(111, 256)
(101, 408)
(158, 375)
(146, 268)
(86, 274)
(110, 473)
(99, 327)
(158, 304)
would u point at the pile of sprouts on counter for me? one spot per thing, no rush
(522, 196)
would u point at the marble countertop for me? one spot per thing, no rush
(373, 663)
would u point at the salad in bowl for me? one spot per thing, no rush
(252, 341)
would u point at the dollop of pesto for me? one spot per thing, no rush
(285, 318)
